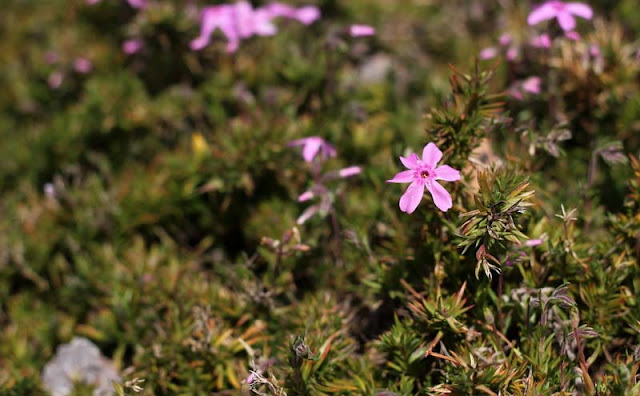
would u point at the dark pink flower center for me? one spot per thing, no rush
(425, 173)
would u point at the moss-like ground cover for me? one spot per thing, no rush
(151, 203)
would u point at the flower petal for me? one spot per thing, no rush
(350, 171)
(532, 85)
(567, 21)
(361, 30)
(431, 155)
(403, 177)
(542, 13)
(412, 197)
(305, 196)
(307, 15)
(410, 161)
(327, 150)
(306, 215)
(580, 9)
(441, 197)
(310, 149)
(488, 53)
(447, 173)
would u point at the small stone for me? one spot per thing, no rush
(80, 361)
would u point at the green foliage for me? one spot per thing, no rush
(502, 198)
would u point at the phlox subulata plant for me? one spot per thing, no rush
(206, 194)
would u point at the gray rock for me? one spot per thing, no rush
(80, 361)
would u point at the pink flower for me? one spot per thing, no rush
(305, 196)
(350, 171)
(305, 15)
(424, 173)
(533, 242)
(563, 12)
(488, 53)
(532, 85)
(239, 20)
(505, 39)
(82, 65)
(132, 46)
(541, 41)
(361, 30)
(55, 79)
(312, 146)
(575, 36)
(137, 3)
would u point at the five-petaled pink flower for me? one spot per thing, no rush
(424, 173)
(563, 12)
(312, 146)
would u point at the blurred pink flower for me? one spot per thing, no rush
(594, 51)
(541, 41)
(312, 146)
(137, 3)
(512, 53)
(132, 46)
(361, 30)
(533, 242)
(575, 36)
(55, 79)
(305, 15)
(516, 94)
(563, 12)
(240, 20)
(532, 85)
(424, 173)
(505, 39)
(82, 65)
(488, 53)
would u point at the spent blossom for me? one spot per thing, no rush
(565, 13)
(424, 173)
